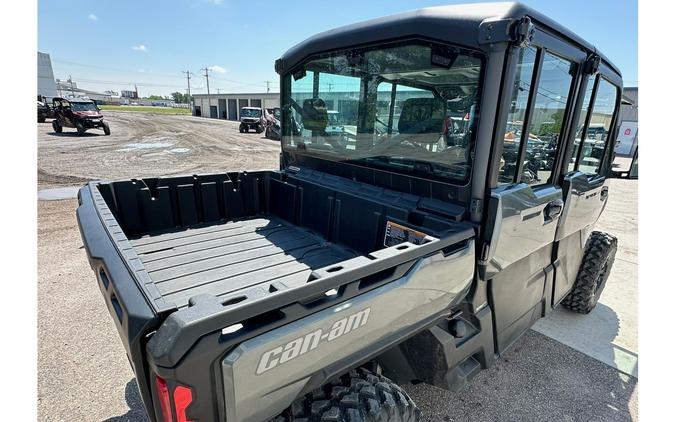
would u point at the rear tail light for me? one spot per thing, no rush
(164, 400)
(182, 397)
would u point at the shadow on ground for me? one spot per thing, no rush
(136, 410)
(594, 335)
(538, 379)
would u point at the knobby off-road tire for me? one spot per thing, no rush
(593, 273)
(56, 126)
(80, 128)
(106, 128)
(360, 396)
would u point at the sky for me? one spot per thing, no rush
(116, 44)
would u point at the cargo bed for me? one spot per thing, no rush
(224, 258)
(180, 259)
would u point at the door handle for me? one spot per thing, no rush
(553, 209)
(604, 193)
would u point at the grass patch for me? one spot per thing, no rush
(147, 109)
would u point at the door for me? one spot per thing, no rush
(232, 109)
(214, 112)
(222, 106)
(256, 103)
(526, 199)
(589, 160)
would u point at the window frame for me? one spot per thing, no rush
(287, 78)
(531, 101)
(591, 106)
(543, 41)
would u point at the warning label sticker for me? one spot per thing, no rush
(396, 233)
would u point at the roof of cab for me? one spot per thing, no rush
(74, 99)
(456, 24)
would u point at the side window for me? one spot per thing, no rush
(582, 122)
(555, 82)
(516, 116)
(599, 125)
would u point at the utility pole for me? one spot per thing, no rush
(187, 72)
(208, 91)
(268, 86)
(70, 79)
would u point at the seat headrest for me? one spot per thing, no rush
(421, 115)
(314, 114)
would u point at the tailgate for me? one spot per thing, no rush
(127, 303)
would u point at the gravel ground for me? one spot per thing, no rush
(83, 374)
(145, 144)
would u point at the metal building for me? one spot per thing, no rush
(46, 83)
(227, 106)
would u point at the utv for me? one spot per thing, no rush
(401, 251)
(78, 113)
(43, 110)
(251, 118)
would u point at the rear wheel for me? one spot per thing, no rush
(360, 396)
(106, 128)
(80, 128)
(258, 129)
(267, 132)
(593, 273)
(241, 128)
(41, 119)
(56, 126)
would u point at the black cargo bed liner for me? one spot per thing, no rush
(219, 259)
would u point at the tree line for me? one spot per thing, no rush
(177, 97)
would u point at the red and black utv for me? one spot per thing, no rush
(78, 113)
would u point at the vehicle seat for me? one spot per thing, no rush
(420, 116)
(314, 114)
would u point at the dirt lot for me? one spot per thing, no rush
(144, 144)
(83, 374)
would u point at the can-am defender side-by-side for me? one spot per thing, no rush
(454, 207)
(251, 118)
(79, 113)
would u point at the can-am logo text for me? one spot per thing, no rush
(301, 345)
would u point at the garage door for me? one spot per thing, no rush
(232, 109)
(256, 103)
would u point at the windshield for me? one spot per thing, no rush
(250, 112)
(83, 106)
(406, 107)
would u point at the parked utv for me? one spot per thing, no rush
(417, 246)
(43, 110)
(273, 125)
(251, 118)
(79, 113)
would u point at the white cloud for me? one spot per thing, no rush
(93, 17)
(217, 69)
(217, 2)
(140, 47)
